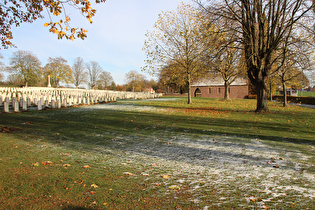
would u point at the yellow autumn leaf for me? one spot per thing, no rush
(174, 187)
(35, 164)
(56, 13)
(71, 37)
(67, 19)
(165, 176)
(66, 165)
(54, 30)
(46, 24)
(94, 186)
(62, 33)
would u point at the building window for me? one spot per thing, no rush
(219, 90)
(209, 90)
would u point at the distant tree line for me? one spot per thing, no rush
(25, 69)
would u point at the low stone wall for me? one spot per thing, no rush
(21, 99)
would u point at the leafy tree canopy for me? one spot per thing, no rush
(58, 70)
(26, 66)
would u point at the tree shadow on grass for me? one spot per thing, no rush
(140, 132)
(76, 208)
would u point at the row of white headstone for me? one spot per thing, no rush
(44, 97)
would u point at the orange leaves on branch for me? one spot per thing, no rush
(62, 28)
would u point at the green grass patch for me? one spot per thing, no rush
(157, 154)
(309, 94)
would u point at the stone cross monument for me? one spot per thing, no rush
(48, 81)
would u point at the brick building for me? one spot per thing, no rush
(214, 88)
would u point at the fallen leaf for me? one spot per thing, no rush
(92, 192)
(174, 187)
(93, 203)
(35, 164)
(86, 166)
(165, 176)
(94, 186)
(144, 174)
(46, 163)
(129, 174)
(66, 165)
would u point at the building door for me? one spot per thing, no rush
(197, 93)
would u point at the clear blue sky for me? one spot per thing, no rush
(115, 39)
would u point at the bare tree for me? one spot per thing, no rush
(79, 73)
(105, 79)
(94, 72)
(262, 26)
(2, 68)
(178, 39)
(290, 68)
(135, 80)
(225, 57)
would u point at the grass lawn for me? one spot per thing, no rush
(159, 154)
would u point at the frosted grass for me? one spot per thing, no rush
(250, 168)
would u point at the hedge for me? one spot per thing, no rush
(296, 99)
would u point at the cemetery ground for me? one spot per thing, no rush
(159, 154)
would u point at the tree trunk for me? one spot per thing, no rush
(189, 89)
(262, 96)
(226, 91)
(270, 91)
(285, 101)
